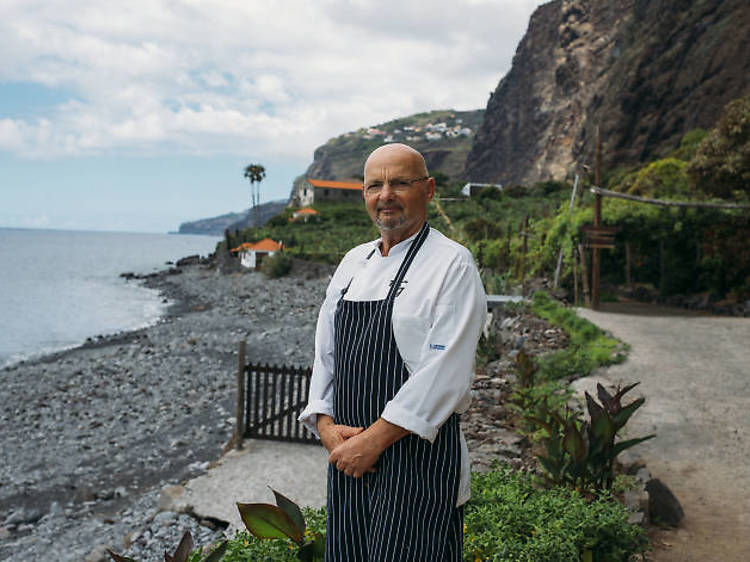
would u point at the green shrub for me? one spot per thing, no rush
(490, 192)
(516, 191)
(664, 178)
(508, 518)
(277, 265)
(721, 165)
(278, 220)
(589, 346)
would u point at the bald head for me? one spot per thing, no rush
(397, 152)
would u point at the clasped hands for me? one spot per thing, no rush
(355, 450)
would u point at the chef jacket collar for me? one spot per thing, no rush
(396, 249)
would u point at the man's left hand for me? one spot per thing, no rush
(355, 456)
(358, 454)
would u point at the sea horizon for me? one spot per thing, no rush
(58, 229)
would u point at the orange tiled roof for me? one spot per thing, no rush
(335, 184)
(306, 211)
(265, 245)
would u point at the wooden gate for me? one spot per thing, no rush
(269, 400)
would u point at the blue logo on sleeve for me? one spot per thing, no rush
(437, 347)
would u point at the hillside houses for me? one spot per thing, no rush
(414, 133)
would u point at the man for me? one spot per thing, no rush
(394, 356)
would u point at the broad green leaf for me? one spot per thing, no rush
(217, 553)
(622, 445)
(266, 521)
(622, 417)
(587, 556)
(574, 444)
(183, 549)
(118, 558)
(291, 509)
(603, 429)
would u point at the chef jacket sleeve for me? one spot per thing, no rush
(320, 397)
(441, 382)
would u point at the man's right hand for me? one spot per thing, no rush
(332, 435)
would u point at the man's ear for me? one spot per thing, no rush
(430, 188)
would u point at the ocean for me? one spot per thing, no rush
(59, 287)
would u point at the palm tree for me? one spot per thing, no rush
(255, 173)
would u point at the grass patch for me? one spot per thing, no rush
(589, 346)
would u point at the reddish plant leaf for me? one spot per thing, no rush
(266, 521)
(291, 509)
(183, 549)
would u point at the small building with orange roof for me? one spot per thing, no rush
(303, 214)
(312, 190)
(251, 254)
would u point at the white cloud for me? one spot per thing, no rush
(274, 79)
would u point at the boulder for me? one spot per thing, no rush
(663, 506)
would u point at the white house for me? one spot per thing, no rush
(252, 254)
(472, 189)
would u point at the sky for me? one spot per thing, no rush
(139, 115)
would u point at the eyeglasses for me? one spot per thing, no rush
(399, 185)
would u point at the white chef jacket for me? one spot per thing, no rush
(437, 319)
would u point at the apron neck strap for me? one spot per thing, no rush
(416, 244)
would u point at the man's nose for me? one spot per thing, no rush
(387, 190)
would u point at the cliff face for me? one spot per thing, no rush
(644, 71)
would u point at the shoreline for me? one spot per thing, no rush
(106, 424)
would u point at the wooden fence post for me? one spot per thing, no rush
(575, 276)
(628, 258)
(584, 275)
(240, 420)
(662, 269)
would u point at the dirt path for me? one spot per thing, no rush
(695, 375)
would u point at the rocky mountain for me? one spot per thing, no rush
(644, 71)
(232, 221)
(444, 137)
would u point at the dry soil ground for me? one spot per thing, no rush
(695, 375)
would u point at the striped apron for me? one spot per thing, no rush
(405, 510)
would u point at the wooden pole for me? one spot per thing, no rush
(597, 223)
(584, 275)
(575, 276)
(560, 255)
(240, 419)
(664, 203)
(628, 257)
(595, 256)
(662, 269)
(525, 226)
